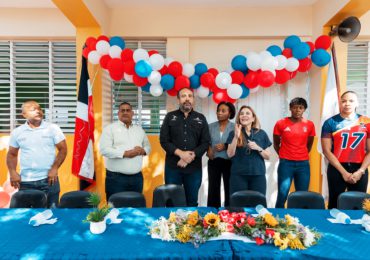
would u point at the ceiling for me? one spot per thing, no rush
(168, 3)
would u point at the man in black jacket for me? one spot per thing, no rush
(185, 138)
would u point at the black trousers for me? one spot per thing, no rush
(337, 185)
(218, 168)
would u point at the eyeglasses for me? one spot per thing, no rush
(125, 110)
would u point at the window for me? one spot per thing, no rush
(41, 71)
(358, 73)
(149, 111)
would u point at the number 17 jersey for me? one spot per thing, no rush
(348, 136)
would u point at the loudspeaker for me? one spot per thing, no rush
(348, 29)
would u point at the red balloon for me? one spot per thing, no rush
(304, 65)
(266, 78)
(213, 71)
(287, 52)
(172, 92)
(104, 60)
(91, 43)
(102, 38)
(4, 199)
(182, 82)
(207, 80)
(237, 77)
(251, 79)
(220, 95)
(163, 70)
(282, 76)
(323, 42)
(116, 69)
(139, 81)
(175, 69)
(127, 54)
(312, 46)
(129, 67)
(151, 52)
(85, 52)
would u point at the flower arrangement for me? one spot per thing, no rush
(366, 206)
(187, 226)
(98, 214)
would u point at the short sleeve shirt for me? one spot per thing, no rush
(37, 149)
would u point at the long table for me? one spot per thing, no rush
(70, 238)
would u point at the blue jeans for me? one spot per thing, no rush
(190, 181)
(287, 171)
(118, 182)
(52, 192)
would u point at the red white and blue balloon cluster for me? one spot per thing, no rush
(156, 74)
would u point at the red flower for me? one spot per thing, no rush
(230, 228)
(270, 232)
(239, 223)
(205, 223)
(259, 241)
(251, 221)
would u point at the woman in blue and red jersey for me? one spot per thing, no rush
(345, 140)
(293, 139)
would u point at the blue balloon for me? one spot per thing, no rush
(146, 88)
(239, 62)
(291, 41)
(200, 69)
(194, 81)
(245, 91)
(320, 57)
(116, 40)
(301, 51)
(167, 81)
(143, 68)
(274, 50)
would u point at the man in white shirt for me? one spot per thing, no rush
(124, 145)
(37, 140)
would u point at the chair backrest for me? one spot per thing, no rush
(75, 199)
(29, 199)
(247, 199)
(127, 199)
(306, 200)
(169, 195)
(351, 199)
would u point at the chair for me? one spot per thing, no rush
(169, 195)
(351, 199)
(127, 199)
(75, 199)
(305, 200)
(29, 199)
(247, 199)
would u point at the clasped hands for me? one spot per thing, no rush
(352, 178)
(186, 157)
(136, 151)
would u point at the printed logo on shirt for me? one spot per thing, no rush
(173, 118)
(197, 119)
(305, 129)
(287, 129)
(362, 125)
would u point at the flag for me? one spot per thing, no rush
(83, 156)
(330, 108)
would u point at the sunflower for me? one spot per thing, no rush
(270, 220)
(193, 218)
(281, 243)
(184, 234)
(212, 219)
(296, 243)
(366, 206)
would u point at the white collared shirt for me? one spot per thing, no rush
(115, 140)
(37, 147)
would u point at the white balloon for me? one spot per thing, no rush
(140, 54)
(102, 47)
(168, 61)
(265, 54)
(223, 80)
(281, 59)
(129, 78)
(254, 61)
(156, 61)
(253, 90)
(93, 57)
(268, 64)
(202, 92)
(188, 70)
(154, 77)
(115, 51)
(156, 90)
(235, 91)
(292, 64)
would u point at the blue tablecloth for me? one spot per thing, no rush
(69, 238)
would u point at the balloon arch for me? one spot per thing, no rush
(156, 74)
